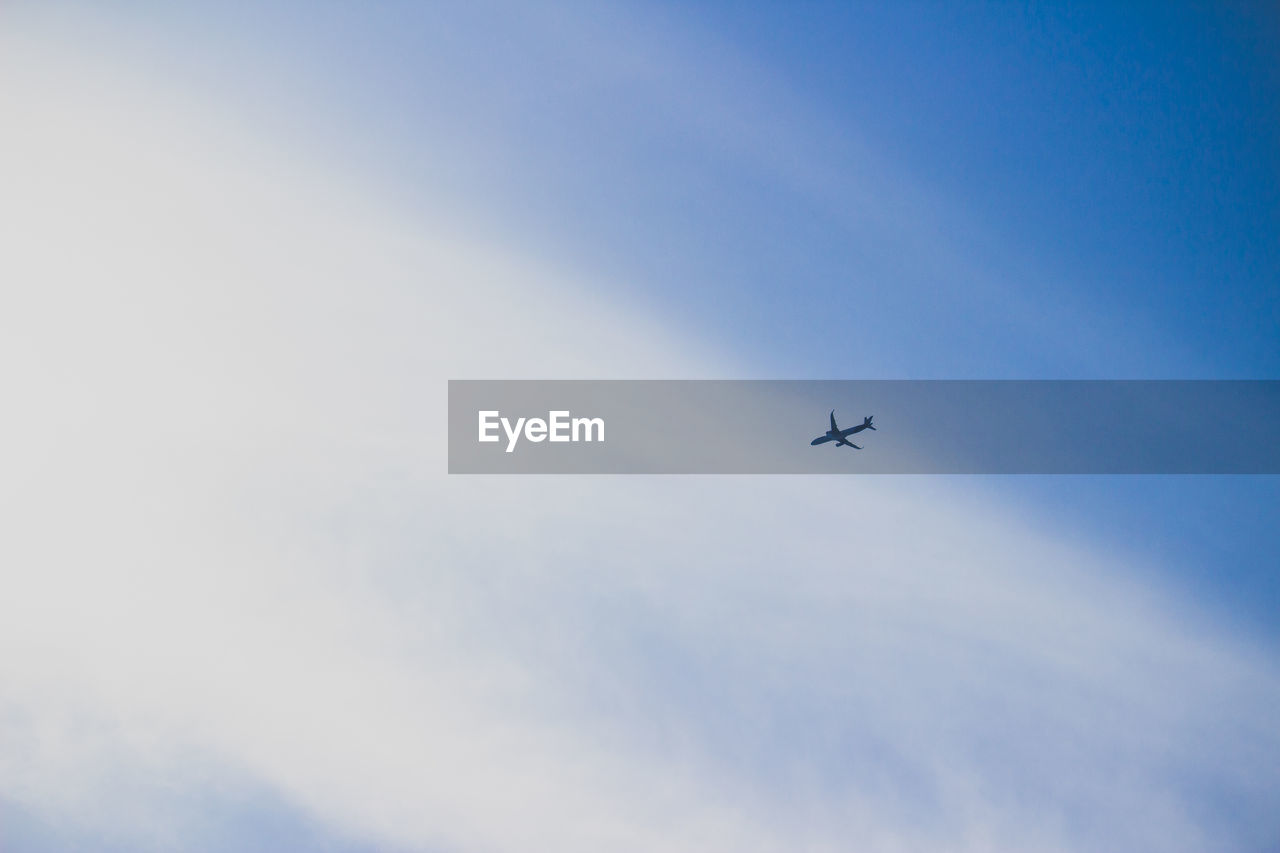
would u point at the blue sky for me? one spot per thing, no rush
(1104, 180)
(1105, 176)
(1112, 163)
(299, 220)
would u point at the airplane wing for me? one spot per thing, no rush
(851, 444)
(822, 439)
(834, 428)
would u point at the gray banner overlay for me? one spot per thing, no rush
(922, 427)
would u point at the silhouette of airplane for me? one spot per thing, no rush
(841, 436)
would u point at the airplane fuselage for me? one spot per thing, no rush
(841, 436)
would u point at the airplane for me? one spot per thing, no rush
(841, 436)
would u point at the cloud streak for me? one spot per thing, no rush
(235, 559)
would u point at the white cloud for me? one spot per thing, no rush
(232, 553)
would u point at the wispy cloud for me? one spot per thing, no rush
(233, 558)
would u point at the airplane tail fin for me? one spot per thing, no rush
(866, 422)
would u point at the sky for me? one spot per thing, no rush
(247, 244)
